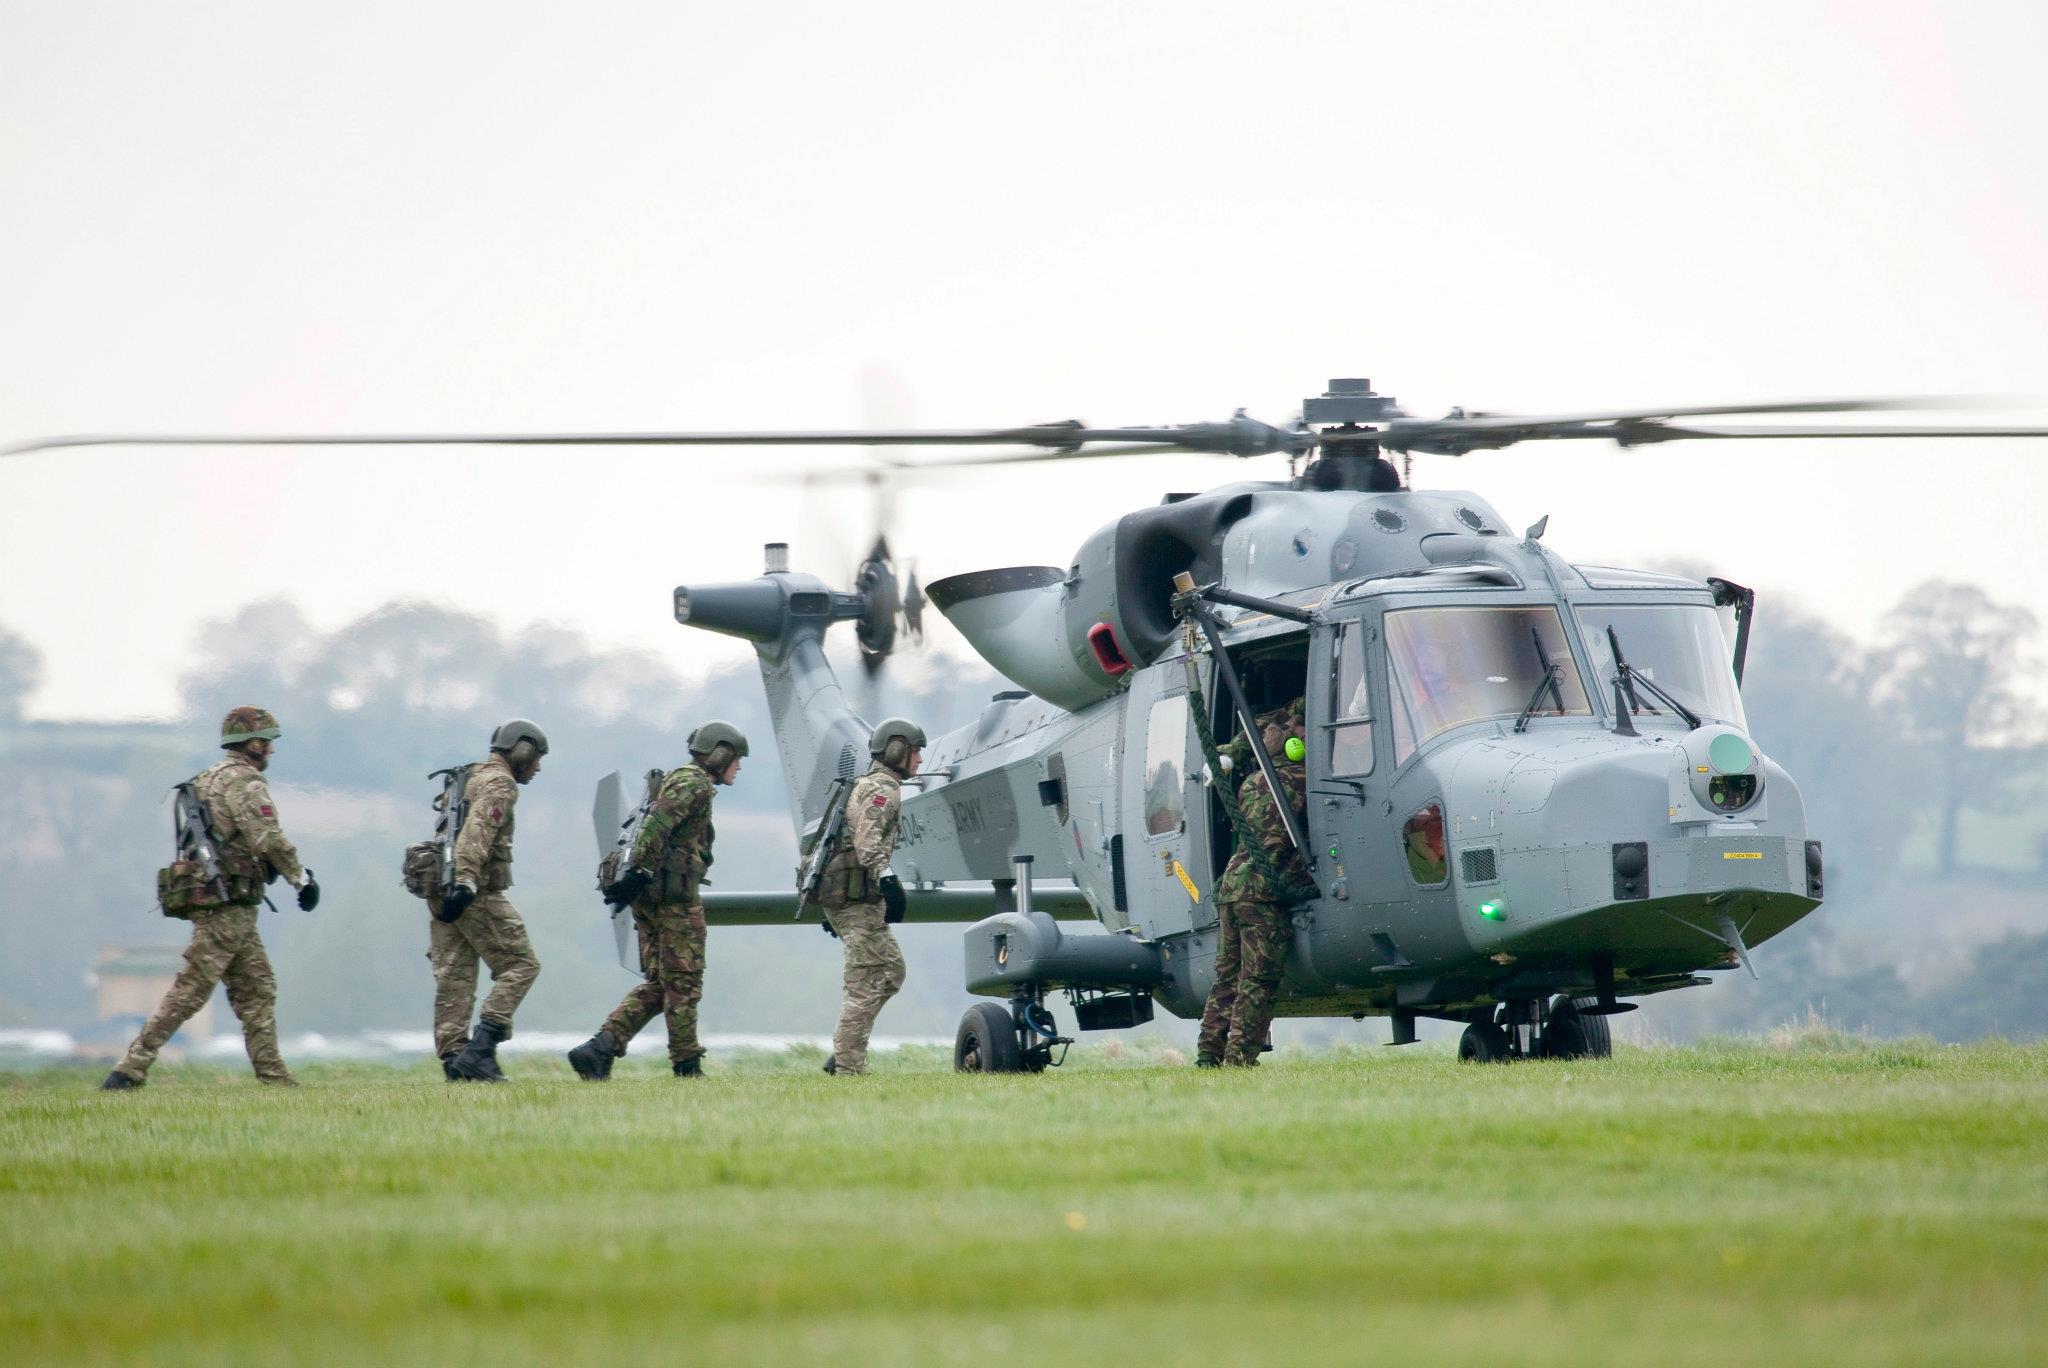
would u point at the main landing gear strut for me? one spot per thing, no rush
(1567, 1028)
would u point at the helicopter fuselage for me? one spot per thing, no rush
(1497, 811)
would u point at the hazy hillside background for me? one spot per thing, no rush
(1920, 757)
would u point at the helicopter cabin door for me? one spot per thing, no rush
(1165, 838)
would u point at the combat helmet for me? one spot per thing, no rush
(248, 724)
(895, 729)
(714, 734)
(510, 734)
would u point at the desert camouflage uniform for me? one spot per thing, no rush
(1252, 925)
(674, 845)
(225, 948)
(849, 890)
(489, 928)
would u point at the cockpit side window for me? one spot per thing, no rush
(1422, 842)
(1350, 724)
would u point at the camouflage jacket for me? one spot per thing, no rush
(675, 841)
(245, 825)
(1241, 881)
(866, 840)
(483, 850)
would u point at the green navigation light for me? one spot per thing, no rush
(1493, 911)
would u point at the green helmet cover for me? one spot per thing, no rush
(510, 734)
(891, 730)
(714, 734)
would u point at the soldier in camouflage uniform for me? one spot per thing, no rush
(661, 881)
(477, 922)
(251, 849)
(1252, 930)
(859, 895)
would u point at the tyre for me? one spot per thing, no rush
(1569, 1033)
(987, 1041)
(1483, 1043)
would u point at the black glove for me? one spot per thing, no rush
(627, 888)
(893, 901)
(309, 893)
(825, 925)
(455, 902)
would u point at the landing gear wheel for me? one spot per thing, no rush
(1569, 1033)
(987, 1041)
(1483, 1043)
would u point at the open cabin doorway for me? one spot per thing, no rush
(1273, 672)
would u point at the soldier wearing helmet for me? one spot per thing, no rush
(1252, 926)
(477, 922)
(251, 850)
(859, 895)
(664, 872)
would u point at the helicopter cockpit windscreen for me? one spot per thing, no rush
(1450, 666)
(1679, 647)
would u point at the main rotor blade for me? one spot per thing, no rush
(1455, 437)
(1906, 403)
(1240, 436)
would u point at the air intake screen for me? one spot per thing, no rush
(1477, 866)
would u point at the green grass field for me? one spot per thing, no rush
(1816, 1199)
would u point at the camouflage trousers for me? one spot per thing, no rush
(489, 930)
(672, 958)
(1251, 946)
(874, 971)
(225, 949)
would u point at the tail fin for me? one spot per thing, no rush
(785, 616)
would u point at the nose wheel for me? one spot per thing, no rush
(1529, 1028)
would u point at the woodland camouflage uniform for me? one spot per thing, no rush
(490, 928)
(1252, 924)
(675, 846)
(849, 891)
(250, 846)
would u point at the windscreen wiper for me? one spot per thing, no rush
(1627, 676)
(1547, 683)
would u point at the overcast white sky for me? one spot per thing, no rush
(276, 216)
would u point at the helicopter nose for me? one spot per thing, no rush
(1602, 850)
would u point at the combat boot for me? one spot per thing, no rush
(1203, 1061)
(119, 1082)
(478, 1062)
(592, 1060)
(692, 1067)
(448, 1066)
(831, 1064)
(283, 1080)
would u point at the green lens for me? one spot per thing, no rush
(1294, 750)
(1729, 754)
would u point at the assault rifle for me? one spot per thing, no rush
(819, 851)
(453, 807)
(192, 825)
(629, 830)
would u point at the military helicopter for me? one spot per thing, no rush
(1532, 793)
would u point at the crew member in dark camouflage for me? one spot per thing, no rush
(859, 895)
(251, 849)
(477, 922)
(1252, 926)
(663, 874)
